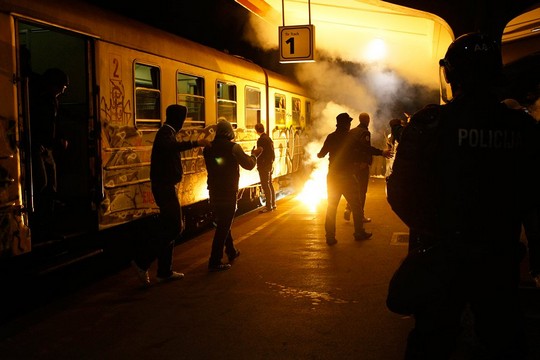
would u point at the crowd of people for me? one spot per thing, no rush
(453, 183)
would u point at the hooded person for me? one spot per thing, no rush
(340, 180)
(223, 161)
(165, 175)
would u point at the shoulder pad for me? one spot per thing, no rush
(428, 117)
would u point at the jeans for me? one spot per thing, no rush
(168, 229)
(224, 207)
(268, 187)
(338, 185)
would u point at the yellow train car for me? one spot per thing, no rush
(122, 76)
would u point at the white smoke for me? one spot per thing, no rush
(345, 79)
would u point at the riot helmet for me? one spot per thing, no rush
(472, 58)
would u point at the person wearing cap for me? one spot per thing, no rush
(360, 138)
(165, 175)
(223, 161)
(340, 180)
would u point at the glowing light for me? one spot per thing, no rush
(376, 50)
(314, 190)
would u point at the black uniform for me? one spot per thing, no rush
(457, 182)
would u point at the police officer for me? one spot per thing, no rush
(456, 183)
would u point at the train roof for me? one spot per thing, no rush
(107, 26)
(280, 81)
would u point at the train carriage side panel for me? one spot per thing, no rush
(125, 150)
(288, 113)
(132, 72)
(136, 89)
(14, 231)
(128, 132)
(245, 134)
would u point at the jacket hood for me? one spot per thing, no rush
(224, 129)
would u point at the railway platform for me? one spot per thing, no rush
(288, 296)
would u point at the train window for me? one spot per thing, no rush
(190, 93)
(147, 97)
(253, 107)
(226, 102)
(296, 112)
(280, 110)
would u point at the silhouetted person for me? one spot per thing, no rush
(531, 222)
(340, 180)
(46, 141)
(165, 175)
(456, 183)
(265, 167)
(223, 161)
(360, 137)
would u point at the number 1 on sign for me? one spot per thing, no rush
(290, 41)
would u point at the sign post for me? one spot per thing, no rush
(296, 44)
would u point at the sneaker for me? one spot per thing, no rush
(363, 236)
(347, 215)
(219, 267)
(141, 274)
(174, 276)
(274, 207)
(233, 257)
(366, 220)
(331, 241)
(265, 210)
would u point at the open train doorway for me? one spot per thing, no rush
(56, 132)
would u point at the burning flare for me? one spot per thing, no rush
(314, 190)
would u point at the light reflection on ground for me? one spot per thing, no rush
(316, 297)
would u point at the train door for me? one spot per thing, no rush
(65, 209)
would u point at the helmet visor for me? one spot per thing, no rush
(446, 90)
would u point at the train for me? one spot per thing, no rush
(122, 76)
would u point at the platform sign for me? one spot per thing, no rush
(296, 43)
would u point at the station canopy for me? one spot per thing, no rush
(402, 33)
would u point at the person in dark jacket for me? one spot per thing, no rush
(340, 180)
(265, 166)
(360, 138)
(47, 142)
(223, 160)
(165, 175)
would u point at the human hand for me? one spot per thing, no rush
(258, 151)
(387, 153)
